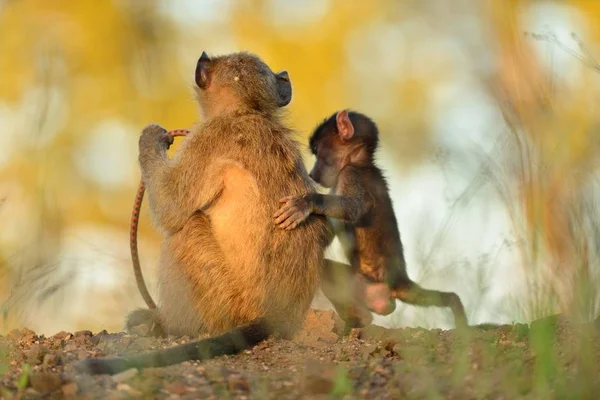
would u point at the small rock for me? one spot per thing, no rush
(36, 354)
(60, 335)
(45, 381)
(320, 325)
(71, 346)
(81, 354)
(31, 392)
(141, 330)
(390, 349)
(205, 392)
(143, 343)
(97, 337)
(50, 359)
(176, 387)
(368, 350)
(354, 334)
(70, 389)
(123, 387)
(379, 333)
(238, 382)
(13, 334)
(84, 333)
(125, 375)
(319, 329)
(318, 378)
(27, 335)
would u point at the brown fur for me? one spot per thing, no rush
(361, 210)
(223, 264)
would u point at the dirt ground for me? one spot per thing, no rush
(547, 359)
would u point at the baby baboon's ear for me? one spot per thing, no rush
(284, 88)
(203, 71)
(344, 125)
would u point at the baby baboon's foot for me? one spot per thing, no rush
(145, 322)
(358, 318)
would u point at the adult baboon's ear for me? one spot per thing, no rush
(202, 71)
(284, 88)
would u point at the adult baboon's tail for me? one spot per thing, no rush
(232, 342)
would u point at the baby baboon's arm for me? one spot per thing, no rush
(352, 202)
(179, 187)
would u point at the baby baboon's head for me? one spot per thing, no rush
(240, 80)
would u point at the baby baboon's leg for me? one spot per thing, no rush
(346, 293)
(144, 316)
(411, 293)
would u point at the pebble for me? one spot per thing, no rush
(60, 335)
(176, 387)
(97, 337)
(238, 382)
(70, 389)
(125, 375)
(45, 381)
(141, 330)
(50, 359)
(318, 378)
(13, 334)
(143, 343)
(368, 350)
(27, 335)
(36, 354)
(123, 387)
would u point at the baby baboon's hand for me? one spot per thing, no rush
(294, 210)
(154, 135)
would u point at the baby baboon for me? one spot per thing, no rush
(225, 269)
(360, 206)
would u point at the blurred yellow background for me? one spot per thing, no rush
(490, 139)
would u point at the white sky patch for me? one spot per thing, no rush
(560, 20)
(96, 263)
(477, 231)
(107, 154)
(95, 250)
(466, 116)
